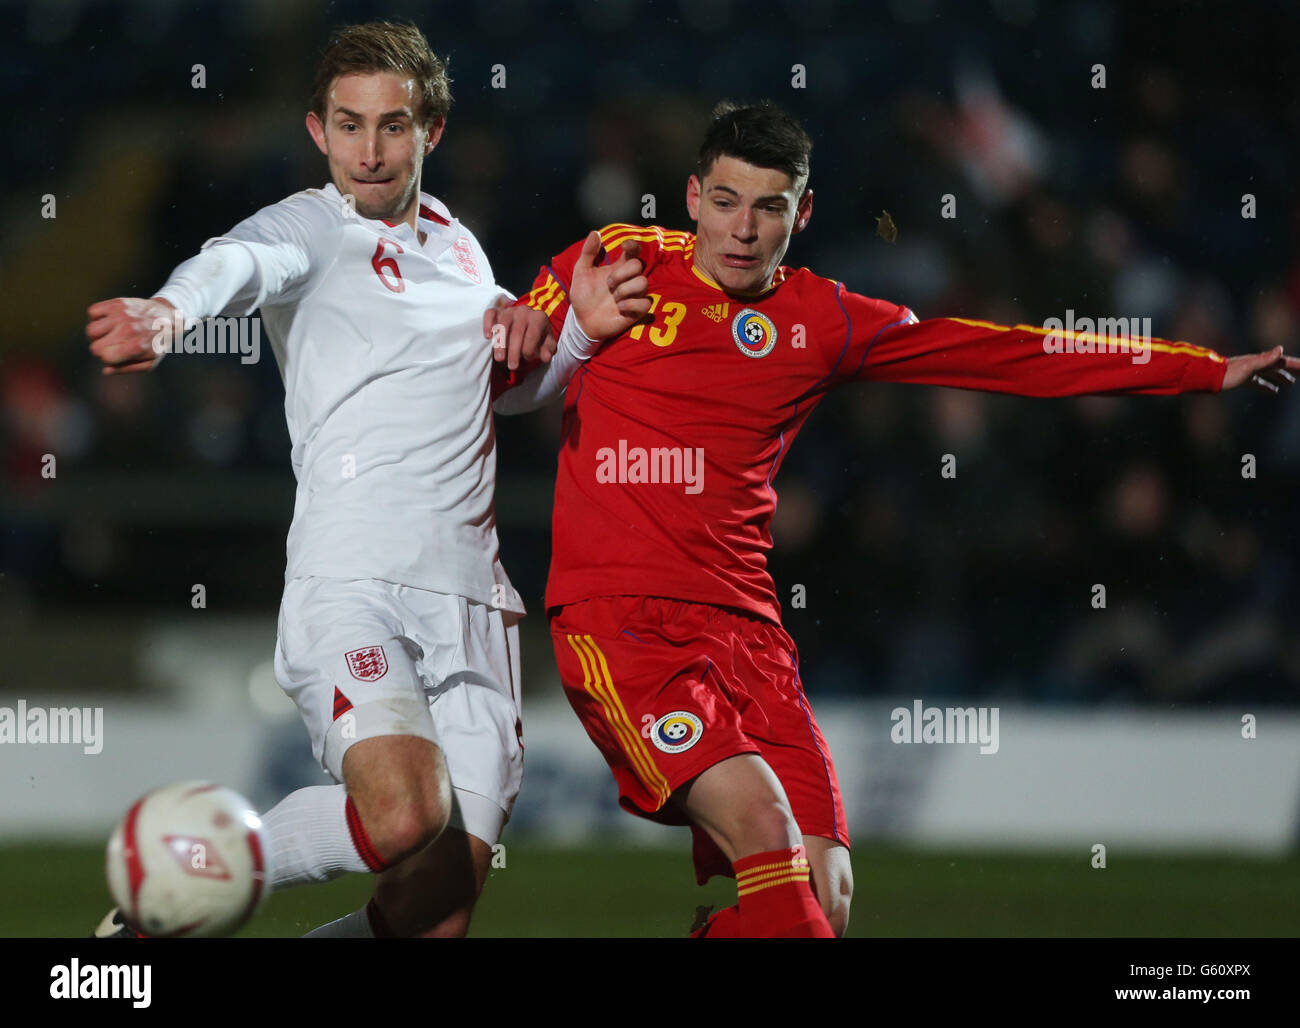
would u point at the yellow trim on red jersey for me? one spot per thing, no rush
(598, 683)
(668, 240)
(539, 297)
(560, 297)
(1189, 349)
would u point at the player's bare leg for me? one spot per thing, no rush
(402, 791)
(432, 894)
(395, 801)
(741, 803)
(832, 879)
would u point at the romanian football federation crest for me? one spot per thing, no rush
(754, 333)
(367, 665)
(677, 731)
(465, 258)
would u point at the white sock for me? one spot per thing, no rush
(355, 925)
(309, 838)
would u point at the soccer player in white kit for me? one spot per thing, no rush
(397, 630)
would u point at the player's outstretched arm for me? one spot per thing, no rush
(889, 344)
(265, 258)
(131, 334)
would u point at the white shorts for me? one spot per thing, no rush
(366, 658)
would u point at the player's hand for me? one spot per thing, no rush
(611, 299)
(130, 333)
(1270, 371)
(518, 334)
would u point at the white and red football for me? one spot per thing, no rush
(188, 860)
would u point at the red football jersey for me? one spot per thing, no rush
(674, 431)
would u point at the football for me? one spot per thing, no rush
(188, 860)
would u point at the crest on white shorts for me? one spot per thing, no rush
(368, 664)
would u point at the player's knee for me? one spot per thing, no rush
(762, 825)
(407, 807)
(414, 821)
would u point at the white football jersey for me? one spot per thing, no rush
(387, 377)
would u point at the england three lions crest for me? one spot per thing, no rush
(465, 258)
(368, 664)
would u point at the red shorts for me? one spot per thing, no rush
(666, 689)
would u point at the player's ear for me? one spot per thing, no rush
(803, 213)
(693, 189)
(317, 132)
(435, 134)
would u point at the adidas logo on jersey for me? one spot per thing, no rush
(716, 311)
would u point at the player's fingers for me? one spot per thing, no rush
(139, 364)
(590, 248)
(634, 308)
(542, 342)
(1276, 374)
(630, 248)
(632, 289)
(500, 332)
(103, 307)
(515, 345)
(495, 329)
(623, 272)
(532, 339)
(100, 326)
(113, 345)
(124, 346)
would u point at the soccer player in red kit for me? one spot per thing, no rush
(666, 624)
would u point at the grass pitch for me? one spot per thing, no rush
(59, 890)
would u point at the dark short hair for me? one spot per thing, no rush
(385, 46)
(759, 134)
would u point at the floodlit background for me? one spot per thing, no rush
(1120, 727)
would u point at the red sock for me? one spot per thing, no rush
(776, 899)
(723, 924)
(361, 841)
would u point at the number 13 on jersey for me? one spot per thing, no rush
(672, 317)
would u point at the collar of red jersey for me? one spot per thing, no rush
(778, 276)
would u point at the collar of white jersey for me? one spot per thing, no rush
(432, 215)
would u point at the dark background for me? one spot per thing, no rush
(1122, 201)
